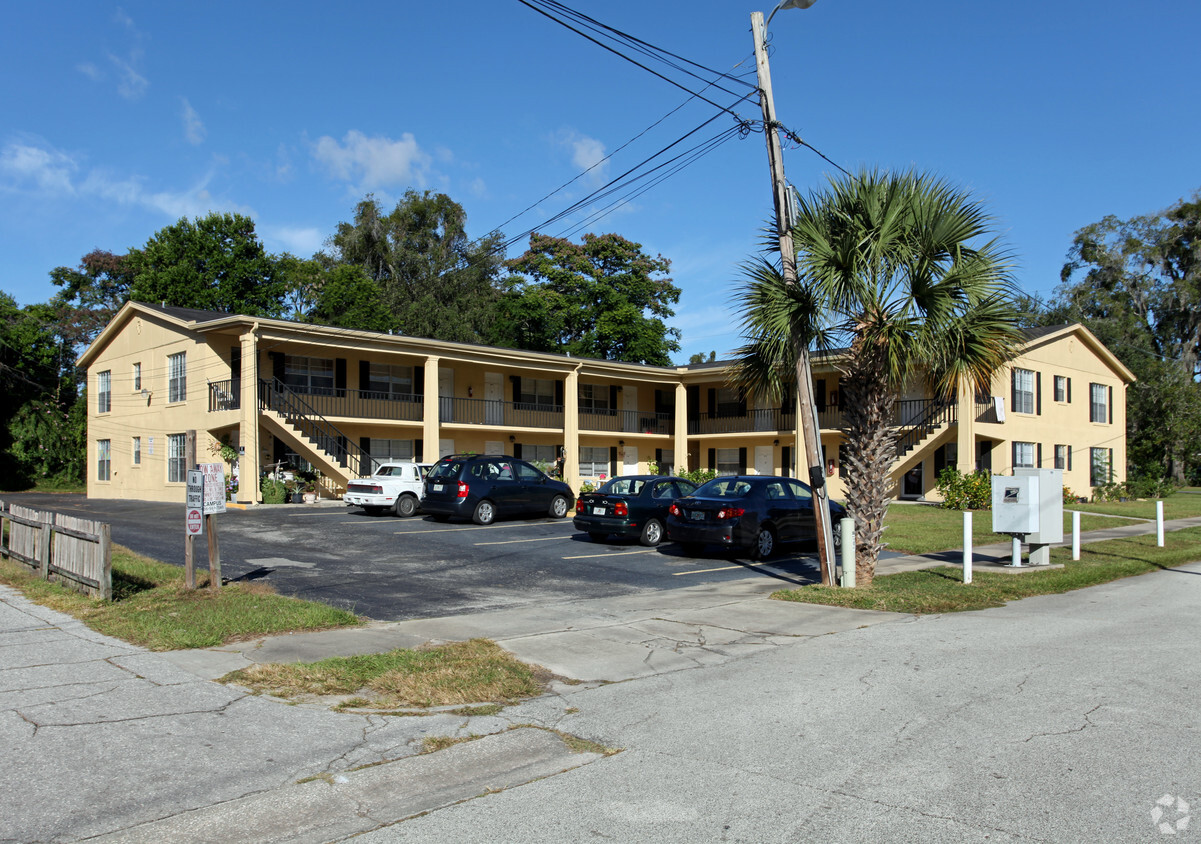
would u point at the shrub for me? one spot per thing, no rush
(1069, 497)
(274, 491)
(1109, 492)
(587, 486)
(699, 476)
(964, 492)
(1150, 487)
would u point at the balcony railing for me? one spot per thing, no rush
(225, 395)
(627, 421)
(456, 411)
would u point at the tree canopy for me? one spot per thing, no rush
(214, 263)
(602, 298)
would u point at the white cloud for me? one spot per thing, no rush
(90, 71)
(53, 174)
(586, 153)
(132, 85)
(372, 163)
(300, 241)
(122, 17)
(193, 126)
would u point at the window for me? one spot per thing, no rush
(1023, 454)
(537, 391)
(594, 461)
(390, 380)
(104, 459)
(727, 461)
(594, 398)
(177, 377)
(137, 377)
(1099, 466)
(314, 376)
(1023, 391)
(137, 451)
(391, 451)
(538, 453)
(1098, 403)
(1063, 388)
(728, 402)
(1063, 457)
(104, 391)
(176, 468)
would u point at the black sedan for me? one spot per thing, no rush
(632, 505)
(752, 513)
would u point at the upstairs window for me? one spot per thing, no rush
(594, 398)
(1023, 391)
(1098, 404)
(1063, 389)
(389, 380)
(729, 403)
(104, 391)
(177, 377)
(537, 391)
(137, 377)
(314, 376)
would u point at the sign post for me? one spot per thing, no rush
(214, 503)
(192, 524)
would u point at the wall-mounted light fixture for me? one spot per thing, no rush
(512, 438)
(621, 442)
(469, 392)
(775, 442)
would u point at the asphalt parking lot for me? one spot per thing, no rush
(395, 569)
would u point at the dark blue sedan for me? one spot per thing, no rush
(632, 505)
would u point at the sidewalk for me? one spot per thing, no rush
(141, 746)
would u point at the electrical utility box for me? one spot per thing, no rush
(1029, 503)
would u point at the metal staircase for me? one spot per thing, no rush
(311, 434)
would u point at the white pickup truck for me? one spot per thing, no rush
(395, 486)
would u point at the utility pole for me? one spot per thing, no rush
(806, 408)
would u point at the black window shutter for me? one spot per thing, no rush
(1069, 391)
(613, 397)
(277, 365)
(1013, 391)
(612, 461)
(741, 403)
(419, 450)
(659, 456)
(340, 376)
(819, 394)
(1038, 460)
(1038, 393)
(558, 394)
(940, 460)
(365, 444)
(1110, 404)
(517, 450)
(1069, 458)
(742, 460)
(712, 402)
(659, 402)
(516, 388)
(419, 382)
(693, 395)
(713, 458)
(1013, 459)
(364, 375)
(1110, 467)
(786, 461)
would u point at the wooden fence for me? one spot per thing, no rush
(76, 552)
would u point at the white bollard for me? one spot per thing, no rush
(967, 546)
(1075, 534)
(1016, 562)
(1159, 523)
(848, 553)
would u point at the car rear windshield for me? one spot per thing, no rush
(446, 469)
(623, 486)
(724, 488)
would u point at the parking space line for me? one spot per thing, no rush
(512, 541)
(472, 527)
(617, 554)
(705, 571)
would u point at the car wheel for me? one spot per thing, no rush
(558, 507)
(692, 549)
(485, 513)
(598, 537)
(765, 544)
(406, 506)
(836, 533)
(652, 533)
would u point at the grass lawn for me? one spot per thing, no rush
(922, 529)
(151, 607)
(1178, 506)
(942, 589)
(473, 672)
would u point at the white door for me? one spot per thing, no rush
(629, 403)
(494, 405)
(763, 460)
(629, 462)
(446, 393)
(445, 447)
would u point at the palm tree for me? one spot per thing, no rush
(900, 273)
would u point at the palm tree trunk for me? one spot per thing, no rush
(870, 451)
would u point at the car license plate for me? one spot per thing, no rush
(437, 487)
(598, 511)
(697, 515)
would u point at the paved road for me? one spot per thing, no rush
(393, 569)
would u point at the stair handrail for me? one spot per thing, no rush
(909, 436)
(297, 409)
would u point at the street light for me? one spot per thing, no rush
(806, 407)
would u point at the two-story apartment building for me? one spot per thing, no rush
(342, 400)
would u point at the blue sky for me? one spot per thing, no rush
(117, 120)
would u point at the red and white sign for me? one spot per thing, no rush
(195, 521)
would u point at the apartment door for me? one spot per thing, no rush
(764, 460)
(629, 461)
(494, 405)
(629, 404)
